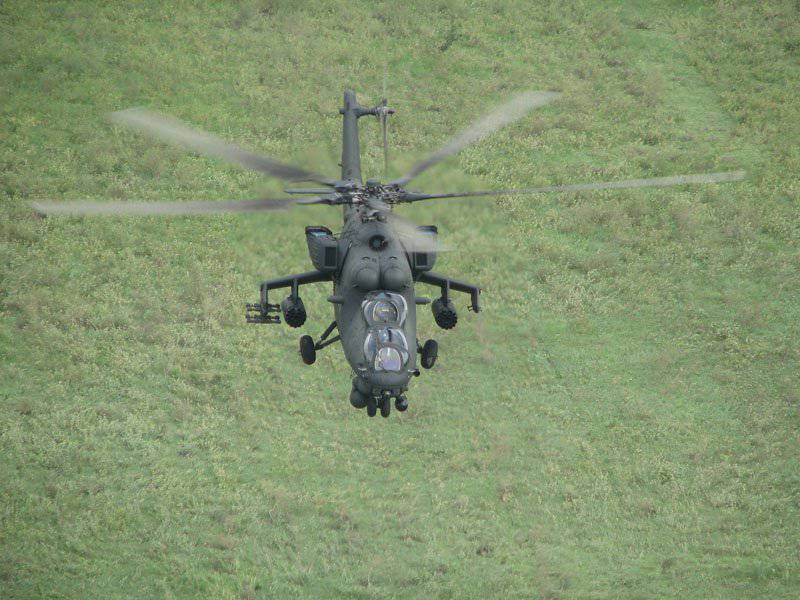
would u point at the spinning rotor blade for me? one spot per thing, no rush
(581, 187)
(173, 131)
(307, 191)
(509, 112)
(165, 208)
(412, 238)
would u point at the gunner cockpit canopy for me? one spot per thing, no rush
(385, 346)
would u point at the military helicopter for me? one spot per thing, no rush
(377, 260)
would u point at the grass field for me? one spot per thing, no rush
(621, 421)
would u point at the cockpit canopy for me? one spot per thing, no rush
(385, 346)
(385, 308)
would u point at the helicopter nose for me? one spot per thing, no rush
(367, 395)
(386, 380)
(379, 384)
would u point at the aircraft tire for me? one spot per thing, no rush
(386, 408)
(372, 407)
(429, 353)
(307, 351)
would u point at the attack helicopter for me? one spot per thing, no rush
(376, 261)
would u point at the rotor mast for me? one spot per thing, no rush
(351, 152)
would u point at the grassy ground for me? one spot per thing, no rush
(621, 421)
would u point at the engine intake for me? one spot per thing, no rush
(444, 313)
(323, 248)
(294, 311)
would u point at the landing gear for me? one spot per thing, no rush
(386, 406)
(428, 353)
(372, 407)
(308, 350)
(401, 403)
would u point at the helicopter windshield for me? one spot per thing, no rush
(385, 346)
(384, 308)
(388, 359)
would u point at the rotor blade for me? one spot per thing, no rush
(160, 208)
(173, 131)
(509, 112)
(582, 187)
(384, 127)
(329, 199)
(307, 191)
(411, 237)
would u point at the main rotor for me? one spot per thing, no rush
(349, 191)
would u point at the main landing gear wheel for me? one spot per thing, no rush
(307, 350)
(429, 353)
(386, 407)
(372, 407)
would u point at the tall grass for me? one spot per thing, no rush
(621, 421)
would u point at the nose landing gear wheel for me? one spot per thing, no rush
(307, 350)
(401, 404)
(429, 353)
(372, 407)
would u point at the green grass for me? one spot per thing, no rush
(621, 421)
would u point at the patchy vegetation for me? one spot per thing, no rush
(622, 420)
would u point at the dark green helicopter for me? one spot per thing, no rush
(376, 260)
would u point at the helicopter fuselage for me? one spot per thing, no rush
(376, 276)
(374, 265)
